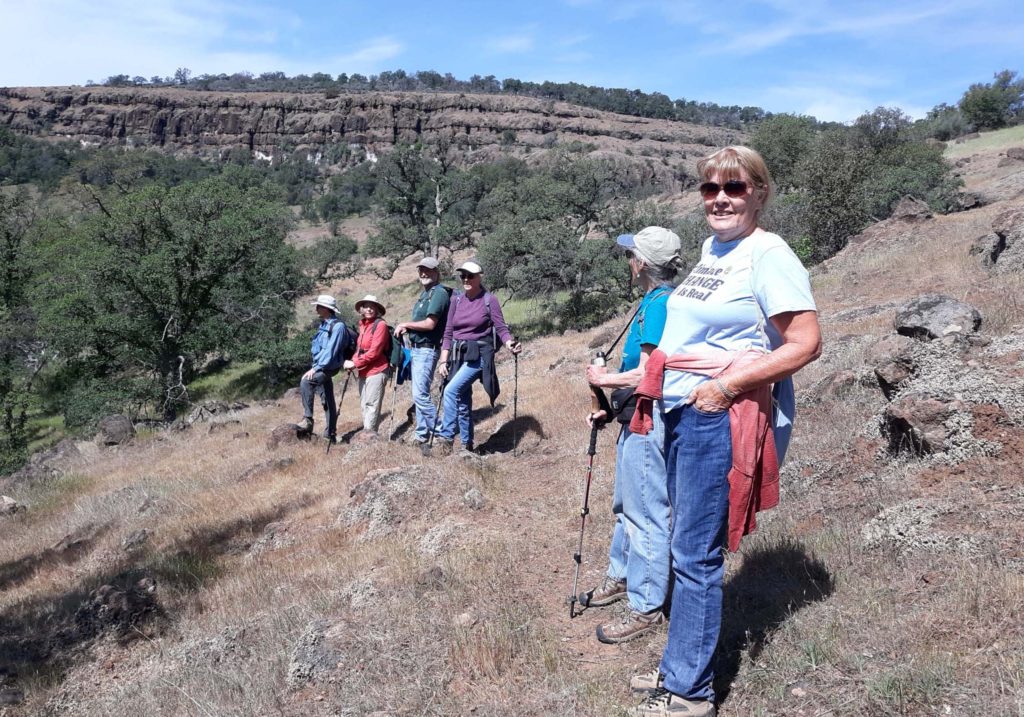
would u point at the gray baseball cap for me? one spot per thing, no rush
(656, 246)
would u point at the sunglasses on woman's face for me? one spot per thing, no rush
(732, 188)
(466, 277)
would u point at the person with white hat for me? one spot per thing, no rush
(327, 349)
(471, 338)
(425, 331)
(370, 360)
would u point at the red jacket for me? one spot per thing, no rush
(370, 357)
(754, 477)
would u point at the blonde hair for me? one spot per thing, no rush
(729, 162)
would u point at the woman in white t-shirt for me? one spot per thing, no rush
(741, 323)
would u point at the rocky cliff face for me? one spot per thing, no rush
(208, 123)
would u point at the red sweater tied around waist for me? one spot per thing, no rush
(754, 477)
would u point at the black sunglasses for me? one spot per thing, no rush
(732, 188)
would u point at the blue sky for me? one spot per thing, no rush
(833, 59)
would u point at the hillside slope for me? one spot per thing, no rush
(204, 572)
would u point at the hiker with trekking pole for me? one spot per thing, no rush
(737, 328)
(331, 343)
(638, 561)
(425, 332)
(371, 361)
(474, 332)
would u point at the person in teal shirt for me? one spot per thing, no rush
(638, 561)
(425, 331)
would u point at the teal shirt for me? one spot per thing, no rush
(432, 302)
(647, 326)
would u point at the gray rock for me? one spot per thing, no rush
(314, 657)
(1015, 153)
(911, 209)
(933, 316)
(474, 499)
(115, 430)
(988, 248)
(920, 424)
(11, 696)
(287, 434)
(135, 539)
(893, 362)
(9, 506)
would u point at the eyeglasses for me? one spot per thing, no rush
(732, 188)
(465, 276)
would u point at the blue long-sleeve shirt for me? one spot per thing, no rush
(326, 349)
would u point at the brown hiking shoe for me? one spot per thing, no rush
(632, 625)
(663, 703)
(305, 425)
(606, 593)
(647, 682)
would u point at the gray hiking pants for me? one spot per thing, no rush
(322, 386)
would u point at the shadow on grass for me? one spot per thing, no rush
(44, 635)
(774, 582)
(507, 438)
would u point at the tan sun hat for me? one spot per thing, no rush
(371, 299)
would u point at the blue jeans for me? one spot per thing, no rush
(458, 403)
(698, 457)
(640, 543)
(424, 361)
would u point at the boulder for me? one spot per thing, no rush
(115, 430)
(911, 209)
(968, 200)
(315, 655)
(918, 423)
(933, 316)
(893, 362)
(1015, 153)
(9, 506)
(1009, 225)
(988, 248)
(287, 434)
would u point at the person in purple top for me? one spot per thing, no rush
(471, 337)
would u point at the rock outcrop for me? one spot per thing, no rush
(214, 123)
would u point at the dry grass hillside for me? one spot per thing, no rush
(202, 572)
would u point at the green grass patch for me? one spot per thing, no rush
(996, 140)
(44, 431)
(235, 382)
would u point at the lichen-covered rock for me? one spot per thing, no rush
(911, 209)
(115, 430)
(932, 316)
(988, 248)
(287, 434)
(919, 424)
(893, 362)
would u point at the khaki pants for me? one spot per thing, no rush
(371, 397)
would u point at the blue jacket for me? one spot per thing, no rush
(327, 350)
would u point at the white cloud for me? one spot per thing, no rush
(51, 42)
(517, 43)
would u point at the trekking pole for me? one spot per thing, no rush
(598, 402)
(440, 397)
(391, 418)
(515, 406)
(584, 512)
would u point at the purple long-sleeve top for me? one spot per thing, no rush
(468, 320)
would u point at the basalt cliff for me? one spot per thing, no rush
(209, 123)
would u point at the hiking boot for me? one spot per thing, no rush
(610, 590)
(305, 425)
(662, 703)
(631, 626)
(647, 682)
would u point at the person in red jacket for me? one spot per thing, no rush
(370, 361)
